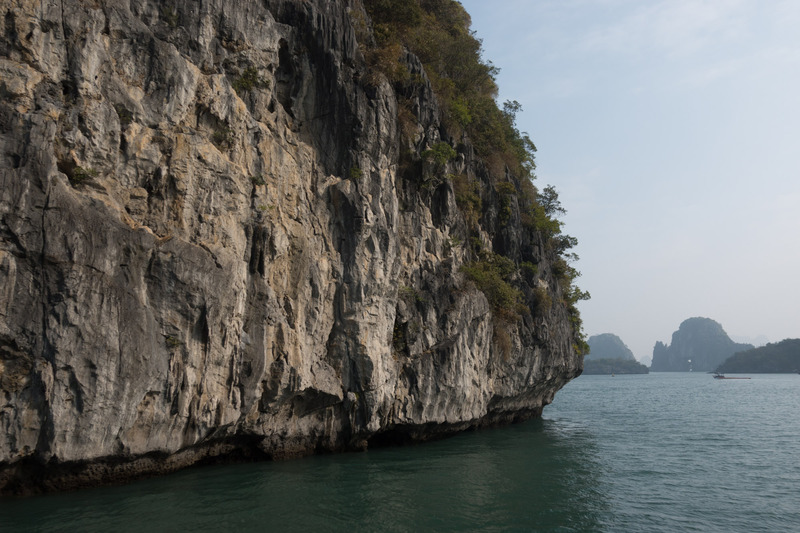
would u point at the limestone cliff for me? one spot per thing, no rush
(207, 247)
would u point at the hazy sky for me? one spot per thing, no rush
(671, 129)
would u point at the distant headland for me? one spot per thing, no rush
(609, 355)
(778, 358)
(699, 345)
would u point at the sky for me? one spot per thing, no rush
(671, 129)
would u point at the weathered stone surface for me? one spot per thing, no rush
(207, 249)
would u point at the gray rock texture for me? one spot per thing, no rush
(700, 345)
(209, 248)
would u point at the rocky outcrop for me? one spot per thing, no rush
(209, 247)
(700, 345)
(608, 346)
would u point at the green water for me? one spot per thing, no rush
(658, 452)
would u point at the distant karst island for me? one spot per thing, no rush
(779, 358)
(609, 355)
(699, 345)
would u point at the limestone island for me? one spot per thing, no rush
(262, 230)
(609, 355)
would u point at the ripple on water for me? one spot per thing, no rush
(683, 453)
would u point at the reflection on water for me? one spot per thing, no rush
(541, 475)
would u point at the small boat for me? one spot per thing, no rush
(718, 375)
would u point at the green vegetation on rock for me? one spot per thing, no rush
(440, 154)
(248, 80)
(438, 33)
(493, 275)
(80, 175)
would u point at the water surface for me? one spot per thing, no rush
(658, 452)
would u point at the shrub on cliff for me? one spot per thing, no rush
(492, 274)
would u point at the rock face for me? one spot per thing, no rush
(699, 340)
(608, 346)
(207, 248)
